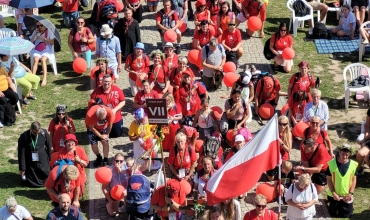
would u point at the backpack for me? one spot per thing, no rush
(105, 9)
(296, 77)
(74, 210)
(319, 31)
(305, 133)
(166, 19)
(266, 49)
(211, 146)
(7, 114)
(223, 124)
(60, 163)
(300, 8)
(138, 194)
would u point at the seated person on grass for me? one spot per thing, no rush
(347, 24)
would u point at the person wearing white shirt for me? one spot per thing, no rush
(347, 24)
(13, 211)
(317, 107)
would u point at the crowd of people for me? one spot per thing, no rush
(196, 136)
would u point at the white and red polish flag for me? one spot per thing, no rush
(242, 171)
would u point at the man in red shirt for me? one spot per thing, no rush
(99, 122)
(203, 36)
(252, 8)
(67, 181)
(268, 88)
(168, 19)
(70, 12)
(315, 160)
(113, 97)
(232, 42)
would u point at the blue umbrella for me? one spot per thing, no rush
(15, 46)
(30, 3)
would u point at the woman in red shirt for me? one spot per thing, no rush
(202, 13)
(279, 41)
(203, 35)
(214, 7)
(97, 76)
(59, 127)
(297, 103)
(142, 95)
(158, 73)
(303, 76)
(176, 74)
(174, 115)
(260, 212)
(225, 17)
(182, 158)
(171, 61)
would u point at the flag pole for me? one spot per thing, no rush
(279, 174)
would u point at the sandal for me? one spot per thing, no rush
(33, 97)
(26, 102)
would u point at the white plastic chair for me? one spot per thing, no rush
(7, 11)
(7, 32)
(355, 70)
(361, 46)
(330, 9)
(298, 21)
(19, 92)
(51, 59)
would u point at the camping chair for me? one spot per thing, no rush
(355, 70)
(51, 59)
(361, 46)
(7, 11)
(298, 21)
(19, 92)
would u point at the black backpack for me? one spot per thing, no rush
(211, 146)
(319, 31)
(266, 50)
(300, 9)
(7, 114)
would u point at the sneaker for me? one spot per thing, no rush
(98, 161)
(310, 31)
(178, 49)
(365, 41)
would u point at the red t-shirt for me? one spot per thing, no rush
(305, 80)
(204, 38)
(174, 61)
(92, 120)
(70, 6)
(182, 159)
(264, 95)
(139, 64)
(252, 9)
(182, 95)
(140, 97)
(252, 215)
(202, 15)
(60, 184)
(176, 75)
(320, 139)
(283, 153)
(112, 98)
(59, 131)
(173, 17)
(158, 198)
(214, 9)
(298, 107)
(232, 39)
(283, 42)
(321, 157)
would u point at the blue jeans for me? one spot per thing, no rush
(70, 18)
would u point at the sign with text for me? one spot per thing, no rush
(157, 111)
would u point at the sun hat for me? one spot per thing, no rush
(105, 30)
(168, 44)
(139, 45)
(71, 137)
(61, 108)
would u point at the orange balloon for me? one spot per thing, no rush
(193, 56)
(185, 186)
(266, 111)
(254, 23)
(182, 26)
(92, 72)
(119, 6)
(230, 135)
(170, 36)
(283, 110)
(230, 78)
(103, 175)
(198, 145)
(267, 190)
(138, 83)
(299, 128)
(217, 111)
(117, 192)
(288, 53)
(229, 67)
(79, 65)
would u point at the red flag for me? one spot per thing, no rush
(242, 171)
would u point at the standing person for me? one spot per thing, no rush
(317, 108)
(301, 198)
(260, 212)
(174, 114)
(213, 58)
(237, 6)
(108, 46)
(167, 19)
(252, 8)
(137, 64)
(127, 30)
(137, 9)
(34, 153)
(303, 76)
(65, 210)
(341, 176)
(97, 76)
(315, 160)
(13, 211)
(267, 91)
(113, 97)
(172, 59)
(70, 12)
(158, 73)
(237, 111)
(232, 42)
(297, 103)
(59, 127)
(79, 39)
(203, 35)
(230, 209)
(279, 41)
(347, 24)
(99, 122)
(225, 17)
(205, 119)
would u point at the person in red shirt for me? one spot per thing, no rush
(99, 121)
(297, 103)
(158, 73)
(252, 8)
(201, 13)
(315, 160)
(169, 204)
(232, 42)
(172, 59)
(113, 97)
(268, 88)
(70, 12)
(64, 179)
(239, 144)
(182, 158)
(303, 76)
(214, 8)
(203, 35)
(167, 19)
(142, 95)
(97, 75)
(174, 116)
(260, 212)
(137, 64)
(176, 74)
(278, 42)
(60, 126)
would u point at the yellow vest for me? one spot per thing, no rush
(341, 183)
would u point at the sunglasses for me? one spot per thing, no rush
(314, 123)
(80, 22)
(283, 30)
(39, 25)
(261, 206)
(283, 124)
(231, 24)
(119, 161)
(61, 113)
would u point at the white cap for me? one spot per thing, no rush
(247, 78)
(169, 44)
(239, 138)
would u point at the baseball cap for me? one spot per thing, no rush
(239, 138)
(345, 147)
(168, 44)
(61, 108)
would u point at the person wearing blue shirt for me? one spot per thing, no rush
(65, 211)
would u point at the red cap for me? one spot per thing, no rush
(200, 3)
(189, 72)
(188, 131)
(71, 137)
(268, 84)
(173, 186)
(302, 86)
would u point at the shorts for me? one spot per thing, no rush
(152, 3)
(348, 32)
(93, 138)
(315, 5)
(116, 129)
(241, 17)
(359, 3)
(319, 178)
(340, 208)
(47, 52)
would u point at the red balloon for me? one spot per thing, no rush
(219, 39)
(79, 65)
(267, 190)
(198, 145)
(217, 111)
(103, 175)
(288, 53)
(119, 6)
(266, 111)
(229, 67)
(254, 23)
(92, 72)
(299, 129)
(170, 36)
(283, 110)
(182, 26)
(138, 83)
(193, 56)
(230, 78)
(185, 187)
(230, 135)
(117, 192)
(199, 61)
